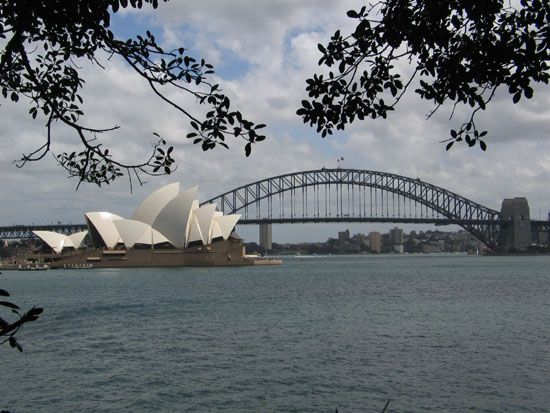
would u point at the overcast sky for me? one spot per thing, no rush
(263, 51)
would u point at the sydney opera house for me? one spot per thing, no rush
(169, 228)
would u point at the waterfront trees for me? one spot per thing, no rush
(42, 43)
(455, 53)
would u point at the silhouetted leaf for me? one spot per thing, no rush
(10, 305)
(35, 311)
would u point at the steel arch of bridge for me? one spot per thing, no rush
(447, 207)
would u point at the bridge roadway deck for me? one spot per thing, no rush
(25, 231)
(306, 220)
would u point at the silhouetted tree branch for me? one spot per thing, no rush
(43, 39)
(9, 329)
(460, 52)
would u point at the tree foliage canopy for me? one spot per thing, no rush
(458, 52)
(42, 42)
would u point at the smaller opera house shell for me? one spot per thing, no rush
(167, 218)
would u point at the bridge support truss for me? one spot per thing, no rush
(331, 195)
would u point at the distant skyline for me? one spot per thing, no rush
(263, 52)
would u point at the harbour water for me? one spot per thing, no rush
(431, 333)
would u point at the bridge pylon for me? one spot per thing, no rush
(515, 225)
(266, 236)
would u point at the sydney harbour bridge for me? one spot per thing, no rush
(353, 195)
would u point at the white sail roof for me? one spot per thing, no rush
(194, 230)
(136, 232)
(227, 223)
(150, 207)
(102, 222)
(173, 220)
(55, 240)
(167, 215)
(130, 230)
(203, 217)
(215, 230)
(77, 238)
(152, 236)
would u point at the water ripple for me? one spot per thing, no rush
(433, 334)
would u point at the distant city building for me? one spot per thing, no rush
(400, 249)
(396, 236)
(266, 236)
(375, 242)
(343, 235)
(431, 241)
(362, 240)
(542, 237)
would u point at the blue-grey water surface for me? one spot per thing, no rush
(431, 333)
